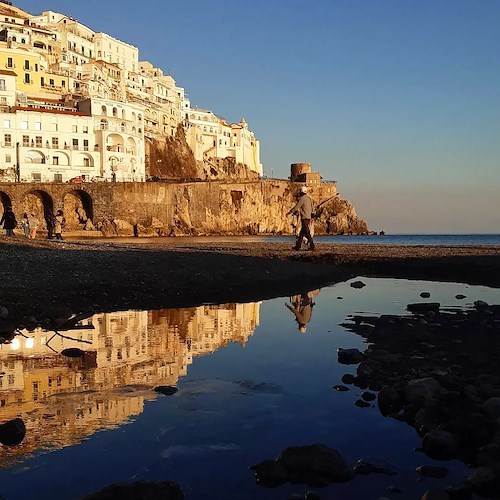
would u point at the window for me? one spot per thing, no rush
(42, 81)
(75, 143)
(86, 144)
(8, 158)
(85, 129)
(26, 141)
(55, 142)
(36, 67)
(74, 129)
(63, 84)
(24, 125)
(26, 78)
(2, 84)
(6, 124)
(55, 160)
(104, 125)
(36, 176)
(38, 141)
(38, 125)
(7, 140)
(26, 64)
(57, 177)
(51, 82)
(86, 162)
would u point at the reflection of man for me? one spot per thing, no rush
(302, 306)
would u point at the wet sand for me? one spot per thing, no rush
(44, 280)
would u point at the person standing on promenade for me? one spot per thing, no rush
(305, 207)
(33, 224)
(59, 224)
(50, 219)
(9, 221)
(26, 226)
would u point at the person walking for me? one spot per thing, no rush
(304, 207)
(59, 224)
(33, 224)
(9, 221)
(26, 226)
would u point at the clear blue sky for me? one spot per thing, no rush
(397, 100)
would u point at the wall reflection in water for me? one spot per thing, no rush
(63, 400)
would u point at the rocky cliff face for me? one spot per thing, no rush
(338, 216)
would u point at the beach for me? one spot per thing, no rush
(44, 281)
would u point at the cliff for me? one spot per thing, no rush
(338, 216)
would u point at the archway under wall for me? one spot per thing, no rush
(39, 203)
(5, 201)
(78, 209)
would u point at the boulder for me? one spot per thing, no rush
(358, 284)
(422, 390)
(423, 307)
(440, 445)
(389, 400)
(123, 228)
(349, 356)
(492, 407)
(4, 312)
(269, 473)
(88, 226)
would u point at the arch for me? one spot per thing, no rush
(139, 117)
(84, 160)
(123, 127)
(5, 200)
(104, 110)
(62, 158)
(115, 112)
(131, 146)
(104, 124)
(124, 116)
(114, 142)
(78, 209)
(133, 116)
(34, 156)
(38, 202)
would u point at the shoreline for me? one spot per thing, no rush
(44, 281)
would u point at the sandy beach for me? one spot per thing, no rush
(45, 280)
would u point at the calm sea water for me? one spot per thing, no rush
(250, 384)
(412, 239)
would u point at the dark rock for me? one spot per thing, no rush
(435, 495)
(361, 404)
(12, 432)
(73, 352)
(166, 390)
(311, 495)
(389, 400)
(394, 489)
(488, 455)
(485, 481)
(308, 463)
(347, 378)
(440, 445)
(460, 296)
(481, 304)
(368, 396)
(340, 388)
(425, 295)
(142, 490)
(492, 407)
(459, 492)
(358, 284)
(373, 465)
(423, 307)
(432, 471)
(422, 390)
(270, 473)
(349, 356)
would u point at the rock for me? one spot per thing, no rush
(12, 432)
(308, 463)
(340, 388)
(432, 471)
(311, 495)
(349, 356)
(141, 490)
(389, 400)
(373, 465)
(485, 481)
(460, 296)
(368, 396)
(394, 489)
(144, 231)
(4, 312)
(361, 404)
(440, 445)
(423, 307)
(488, 455)
(166, 390)
(358, 284)
(347, 378)
(492, 407)
(435, 495)
(425, 295)
(481, 304)
(123, 228)
(73, 352)
(270, 473)
(88, 226)
(422, 390)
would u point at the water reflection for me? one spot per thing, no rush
(301, 306)
(62, 399)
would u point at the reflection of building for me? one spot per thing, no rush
(62, 400)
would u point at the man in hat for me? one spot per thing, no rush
(305, 207)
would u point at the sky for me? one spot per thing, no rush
(396, 100)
